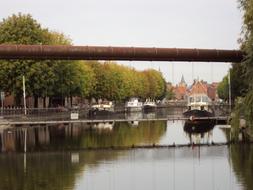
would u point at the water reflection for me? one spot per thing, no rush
(78, 136)
(200, 131)
(184, 168)
(133, 116)
(102, 126)
(181, 168)
(50, 171)
(106, 134)
(242, 162)
(177, 133)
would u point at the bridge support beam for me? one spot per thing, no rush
(60, 52)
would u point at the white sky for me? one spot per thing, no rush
(212, 24)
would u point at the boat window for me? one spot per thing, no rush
(198, 99)
(191, 99)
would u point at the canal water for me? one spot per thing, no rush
(57, 157)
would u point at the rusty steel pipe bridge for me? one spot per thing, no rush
(66, 52)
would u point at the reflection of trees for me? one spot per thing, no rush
(46, 171)
(52, 170)
(62, 137)
(242, 163)
(124, 135)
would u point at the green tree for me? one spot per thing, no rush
(247, 41)
(117, 82)
(60, 79)
(43, 78)
(20, 29)
(223, 89)
(156, 84)
(239, 84)
(244, 106)
(87, 79)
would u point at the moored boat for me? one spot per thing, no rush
(149, 105)
(133, 105)
(102, 108)
(199, 104)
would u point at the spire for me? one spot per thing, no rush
(182, 80)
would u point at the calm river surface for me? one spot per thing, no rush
(56, 159)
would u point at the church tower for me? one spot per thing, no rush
(182, 82)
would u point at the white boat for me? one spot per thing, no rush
(133, 105)
(102, 108)
(199, 106)
(149, 105)
(199, 103)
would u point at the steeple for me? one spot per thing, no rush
(182, 80)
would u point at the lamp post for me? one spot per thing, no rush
(229, 91)
(24, 94)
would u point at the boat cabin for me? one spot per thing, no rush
(198, 101)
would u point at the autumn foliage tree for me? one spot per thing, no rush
(43, 78)
(117, 82)
(60, 79)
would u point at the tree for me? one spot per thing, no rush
(87, 79)
(117, 82)
(60, 79)
(238, 80)
(43, 78)
(223, 89)
(244, 107)
(247, 40)
(20, 29)
(156, 84)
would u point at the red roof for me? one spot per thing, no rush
(198, 88)
(180, 92)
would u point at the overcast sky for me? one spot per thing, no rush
(157, 23)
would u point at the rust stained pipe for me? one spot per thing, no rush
(59, 52)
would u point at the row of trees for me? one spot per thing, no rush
(117, 82)
(238, 81)
(50, 78)
(247, 46)
(242, 73)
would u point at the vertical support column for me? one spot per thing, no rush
(229, 91)
(24, 94)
